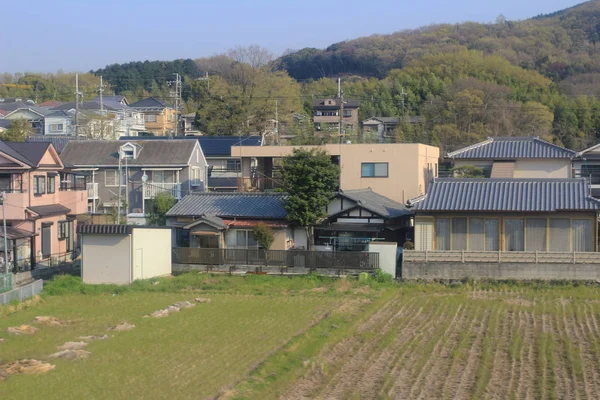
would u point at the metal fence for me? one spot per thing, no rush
(277, 258)
(54, 260)
(23, 292)
(512, 257)
(6, 282)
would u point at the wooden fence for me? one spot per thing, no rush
(277, 258)
(504, 257)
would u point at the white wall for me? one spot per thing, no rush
(299, 236)
(151, 253)
(387, 256)
(533, 169)
(106, 259)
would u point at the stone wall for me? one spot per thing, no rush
(242, 269)
(521, 271)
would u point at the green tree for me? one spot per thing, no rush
(157, 209)
(467, 171)
(18, 131)
(310, 178)
(263, 234)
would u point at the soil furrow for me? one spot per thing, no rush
(497, 388)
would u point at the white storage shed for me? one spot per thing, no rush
(121, 254)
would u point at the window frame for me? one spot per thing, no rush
(51, 187)
(36, 185)
(116, 172)
(374, 164)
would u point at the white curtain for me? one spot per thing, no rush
(459, 234)
(476, 234)
(423, 235)
(583, 235)
(536, 234)
(514, 234)
(442, 234)
(560, 240)
(492, 235)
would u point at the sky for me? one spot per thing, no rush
(80, 35)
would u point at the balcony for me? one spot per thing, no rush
(154, 188)
(92, 191)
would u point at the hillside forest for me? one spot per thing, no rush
(468, 81)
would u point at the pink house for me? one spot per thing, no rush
(41, 200)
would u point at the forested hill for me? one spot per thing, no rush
(559, 45)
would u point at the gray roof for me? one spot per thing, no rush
(106, 152)
(508, 195)
(86, 105)
(27, 153)
(58, 141)
(93, 229)
(413, 119)
(512, 148)
(49, 210)
(149, 102)
(348, 103)
(231, 205)
(5, 123)
(15, 233)
(376, 203)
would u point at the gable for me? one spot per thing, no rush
(23, 114)
(51, 159)
(7, 162)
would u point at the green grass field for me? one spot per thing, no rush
(308, 337)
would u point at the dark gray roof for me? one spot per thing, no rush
(149, 102)
(232, 205)
(5, 123)
(413, 119)
(376, 203)
(49, 210)
(212, 146)
(348, 103)
(60, 113)
(14, 233)
(106, 153)
(512, 148)
(58, 141)
(92, 229)
(86, 105)
(210, 220)
(508, 195)
(33, 152)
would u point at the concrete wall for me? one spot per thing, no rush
(106, 259)
(387, 256)
(445, 270)
(151, 253)
(533, 169)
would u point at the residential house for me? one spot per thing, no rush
(507, 215)
(511, 157)
(327, 114)
(226, 220)
(160, 118)
(145, 168)
(41, 201)
(59, 123)
(32, 114)
(385, 128)
(225, 170)
(189, 126)
(50, 104)
(59, 142)
(587, 165)
(399, 171)
(356, 218)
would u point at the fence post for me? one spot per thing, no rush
(462, 256)
(426, 256)
(247, 256)
(499, 257)
(536, 256)
(573, 257)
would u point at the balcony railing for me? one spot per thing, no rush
(153, 188)
(92, 189)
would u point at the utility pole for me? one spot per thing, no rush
(177, 96)
(341, 100)
(119, 197)
(5, 239)
(77, 105)
(277, 122)
(100, 90)
(403, 94)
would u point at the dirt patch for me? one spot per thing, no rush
(184, 304)
(48, 321)
(362, 290)
(71, 354)
(27, 367)
(342, 286)
(122, 327)
(72, 346)
(202, 300)
(22, 330)
(172, 309)
(91, 338)
(158, 314)
(520, 302)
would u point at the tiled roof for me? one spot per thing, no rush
(348, 103)
(33, 152)
(212, 146)
(150, 102)
(104, 229)
(507, 195)
(58, 141)
(512, 148)
(49, 210)
(106, 153)
(231, 205)
(374, 202)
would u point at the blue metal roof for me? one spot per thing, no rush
(212, 146)
(508, 195)
(232, 205)
(512, 148)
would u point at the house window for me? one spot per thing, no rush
(559, 235)
(535, 237)
(128, 153)
(514, 234)
(196, 177)
(492, 234)
(51, 184)
(39, 185)
(374, 170)
(459, 234)
(111, 178)
(65, 232)
(55, 128)
(244, 240)
(163, 176)
(442, 233)
(583, 235)
(234, 165)
(347, 113)
(150, 118)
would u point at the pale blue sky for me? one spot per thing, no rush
(79, 35)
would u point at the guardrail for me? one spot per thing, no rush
(512, 257)
(277, 258)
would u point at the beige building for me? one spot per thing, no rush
(327, 114)
(160, 118)
(136, 252)
(399, 171)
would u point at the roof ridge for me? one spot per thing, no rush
(471, 147)
(542, 141)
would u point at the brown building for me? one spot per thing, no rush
(161, 119)
(327, 114)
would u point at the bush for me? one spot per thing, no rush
(383, 277)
